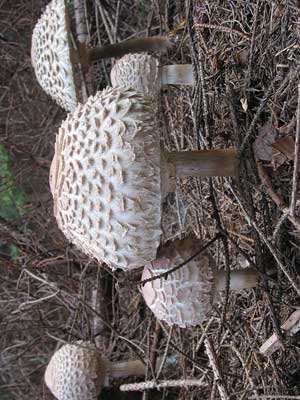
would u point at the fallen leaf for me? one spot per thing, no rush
(262, 145)
(244, 103)
(278, 159)
(286, 146)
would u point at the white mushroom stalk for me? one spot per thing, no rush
(108, 177)
(143, 73)
(186, 296)
(78, 372)
(54, 59)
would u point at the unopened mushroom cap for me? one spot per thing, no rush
(105, 179)
(50, 55)
(75, 372)
(185, 298)
(139, 71)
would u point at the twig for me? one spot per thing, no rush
(165, 352)
(253, 42)
(216, 370)
(222, 29)
(107, 28)
(171, 270)
(274, 397)
(237, 352)
(156, 339)
(296, 160)
(181, 383)
(81, 26)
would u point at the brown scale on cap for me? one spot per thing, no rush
(105, 179)
(50, 55)
(186, 297)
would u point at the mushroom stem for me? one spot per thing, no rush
(243, 279)
(135, 367)
(138, 45)
(219, 162)
(181, 74)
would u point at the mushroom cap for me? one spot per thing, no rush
(50, 55)
(105, 178)
(76, 372)
(185, 298)
(139, 71)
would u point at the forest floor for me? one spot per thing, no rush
(245, 57)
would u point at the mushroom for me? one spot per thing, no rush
(78, 372)
(108, 177)
(143, 73)
(186, 296)
(54, 58)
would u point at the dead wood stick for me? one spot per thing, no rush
(216, 370)
(140, 387)
(291, 326)
(81, 25)
(296, 160)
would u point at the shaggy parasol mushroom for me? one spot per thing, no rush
(108, 177)
(54, 58)
(143, 73)
(78, 372)
(186, 296)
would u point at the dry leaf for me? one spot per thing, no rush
(286, 146)
(262, 146)
(244, 103)
(278, 159)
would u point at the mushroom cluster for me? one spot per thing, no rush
(108, 178)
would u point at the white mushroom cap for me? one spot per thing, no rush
(50, 55)
(185, 298)
(105, 178)
(76, 372)
(139, 71)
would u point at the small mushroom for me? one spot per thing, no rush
(185, 297)
(54, 58)
(143, 73)
(78, 372)
(109, 175)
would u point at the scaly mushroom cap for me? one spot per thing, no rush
(50, 55)
(138, 71)
(105, 178)
(185, 298)
(76, 372)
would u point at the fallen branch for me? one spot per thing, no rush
(296, 161)
(140, 387)
(216, 370)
